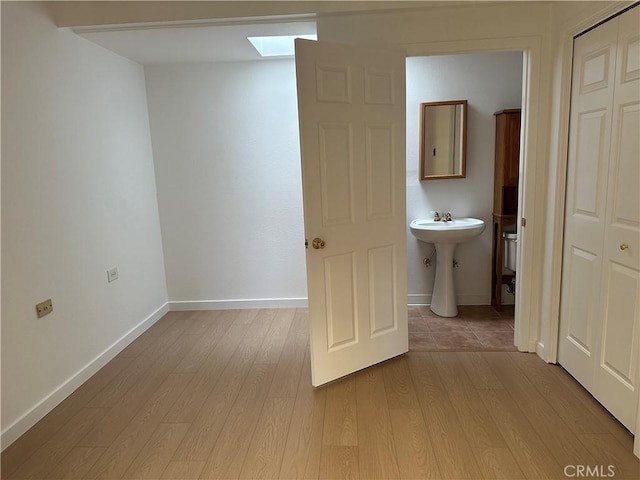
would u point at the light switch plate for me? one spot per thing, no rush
(112, 274)
(44, 308)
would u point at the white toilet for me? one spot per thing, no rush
(510, 239)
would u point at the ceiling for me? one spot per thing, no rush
(154, 32)
(109, 13)
(192, 43)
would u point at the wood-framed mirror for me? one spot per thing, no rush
(443, 140)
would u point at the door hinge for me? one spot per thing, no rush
(524, 222)
(306, 243)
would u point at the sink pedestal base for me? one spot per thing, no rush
(443, 300)
(445, 236)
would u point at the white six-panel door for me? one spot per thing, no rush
(616, 381)
(599, 314)
(351, 107)
(589, 141)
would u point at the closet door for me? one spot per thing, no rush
(589, 140)
(600, 280)
(616, 373)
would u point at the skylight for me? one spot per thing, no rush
(277, 46)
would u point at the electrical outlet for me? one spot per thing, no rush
(112, 274)
(44, 308)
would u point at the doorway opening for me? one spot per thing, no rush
(491, 82)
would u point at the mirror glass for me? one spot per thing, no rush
(443, 139)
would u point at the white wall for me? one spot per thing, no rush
(78, 197)
(489, 82)
(225, 142)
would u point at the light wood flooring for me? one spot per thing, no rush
(227, 394)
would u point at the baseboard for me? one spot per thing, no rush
(462, 299)
(179, 306)
(541, 351)
(414, 299)
(29, 419)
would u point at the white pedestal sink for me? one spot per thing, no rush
(445, 236)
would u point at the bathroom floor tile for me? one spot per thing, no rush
(418, 325)
(414, 312)
(441, 324)
(422, 341)
(477, 312)
(507, 312)
(476, 328)
(427, 313)
(494, 325)
(456, 340)
(501, 340)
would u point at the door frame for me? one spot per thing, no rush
(527, 312)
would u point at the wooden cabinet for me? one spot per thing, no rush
(505, 185)
(505, 195)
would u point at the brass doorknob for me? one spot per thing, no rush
(624, 246)
(317, 243)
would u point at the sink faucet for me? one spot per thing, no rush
(446, 217)
(436, 217)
